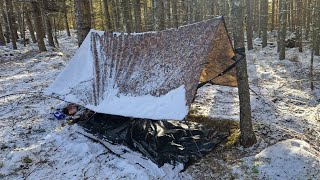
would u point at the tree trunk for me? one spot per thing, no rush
(72, 11)
(273, 14)
(299, 25)
(247, 137)
(316, 24)
(38, 25)
(175, 13)
(168, 13)
(2, 40)
(55, 32)
(283, 30)
(279, 26)
(18, 14)
(6, 24)
(30, 26)
(9, 7)
(65, 15)
(83, 19)
(256, 17)
(102, 14)
(291, 15)
(93, 21)
(115, 15)
(48, 24)
(23, 25)
(259, 14)
(308, 19)
(160, 15)
(137, 15)
(145, 15)
(126, 16)
(107, 15)
(264, 22)
(249, 25)
(190, 11)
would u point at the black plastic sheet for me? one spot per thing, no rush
(160, 141)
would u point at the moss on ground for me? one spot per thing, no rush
(228, 126)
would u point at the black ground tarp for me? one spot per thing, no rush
(160, 141)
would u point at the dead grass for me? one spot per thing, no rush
(228, 126)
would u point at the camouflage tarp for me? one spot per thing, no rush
(150, 75)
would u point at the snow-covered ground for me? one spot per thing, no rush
(286, 113)
(34, 145)
(283, 108)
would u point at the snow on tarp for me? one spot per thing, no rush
(151, 75)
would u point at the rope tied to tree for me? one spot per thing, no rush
(239, 51)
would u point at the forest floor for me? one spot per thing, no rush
(286, 116)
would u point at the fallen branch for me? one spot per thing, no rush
(35, 94)
(106, 144)
(271, 104)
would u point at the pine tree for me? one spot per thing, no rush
(283, 30)
(249, 25)
(264, 22)
(30, 26)
(247, 136)
(83, 19)
(137, 15)
(65, 15)
(2, 40)
(9, 8)
(36, 14)
(107, 15)
(48, 23)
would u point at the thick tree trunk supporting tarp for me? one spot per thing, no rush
(160, 141)
(151, 75)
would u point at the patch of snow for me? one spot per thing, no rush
(289, 159)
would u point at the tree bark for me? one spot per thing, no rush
(9, 8)
(249, 25)
(30, 26)
(145, 15)
(160, 24)
(273, 14)
(168, 13)
(283, 30)
(65, 15)
(316, 24)
(190, 11)
(2, 40)
(137, 15)
(102, 15)
(38, 25)
(299, 25)
(5, 20)
(83, 19)
(107, 15)
(48, 24)
(93, 22)
(126, 16)
(308, 19)
(175, 13)
(18, 14)
(264, 22)
(247, 137)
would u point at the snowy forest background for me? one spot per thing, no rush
(48, 18)
(282, 38)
